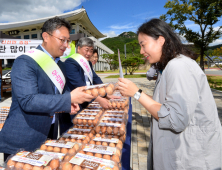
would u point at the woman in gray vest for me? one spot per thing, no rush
(185, 128)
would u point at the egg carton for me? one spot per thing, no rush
(100, 89)
(24, 160)
(61, 146)
(83, 161)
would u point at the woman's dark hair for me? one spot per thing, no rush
(55, 23)
(172, 46)
(96, 51)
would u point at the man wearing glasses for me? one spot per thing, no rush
(41, 100)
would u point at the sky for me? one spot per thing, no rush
(111, 17)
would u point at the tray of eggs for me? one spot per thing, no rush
(107, 140)
(61, 146)
(24, 160)
(86, 162)
(89, 119)
(118, 103)
(117, 128)
(76, 138)
(100, 90)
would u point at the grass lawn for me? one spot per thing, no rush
(117, 71)
(215, 82)
(129, 76)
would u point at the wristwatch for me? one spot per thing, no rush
(137, 94)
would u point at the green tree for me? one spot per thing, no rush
(112, 60)
(134, 45)
(132, 62)
(204, 13)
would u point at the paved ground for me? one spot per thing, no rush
(140, 122)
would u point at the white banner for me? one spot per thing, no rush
(12, 48)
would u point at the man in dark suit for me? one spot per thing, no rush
(76, 77)
(36, 102)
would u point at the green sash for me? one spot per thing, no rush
(49, 66)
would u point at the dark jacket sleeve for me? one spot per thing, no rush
(96, 78)
(29, 91)
(75, 76)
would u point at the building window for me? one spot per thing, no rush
(25, 30)
(34, 36)
(33, 29)
(18, 37)
(73, 31)
(26, 36)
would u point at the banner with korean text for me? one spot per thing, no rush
(12, 48)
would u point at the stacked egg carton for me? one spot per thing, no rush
(3, 115)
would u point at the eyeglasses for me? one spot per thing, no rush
(63, 41)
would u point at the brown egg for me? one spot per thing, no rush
(11, 163)
(54, 164)
(97, 129)
(115, 130)
(47, 168)
(43, 147)
(89, 153)
(123, 104)
(98, 135)
(120, 142)
(90, 135)
(109, 90)
(27, 167)
(114, 104)
(90, 122)
(56, 149)
(95, 121)
(109, 130)
(50, 148)
(79, 141)
(103, 135)
(102, 91)
(64, 150)
(92, 142)
(84, 121)
(122, 129)
(72, 151)
(80, 133)
(87, 138)
(67, 158)
(82, 152)
(94, 92)
(98, 143)
(111, 85)
(67, 166)
(79, 121)
(119, 146)
(118, 105)
(115, 136)
(106, 157)
(88, 91)
(73, 140)
(112, 145)
(67, 139)
(103, 130)
(86, 169)
(115, 158)
(105, 144)
(118, 152)
(76, 167)
(109, 136)
(75, 121)
(98, 155)
(37, 168)
(19, 165)
(85, 142)
(76, 146)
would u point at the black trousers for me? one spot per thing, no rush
(6, 155)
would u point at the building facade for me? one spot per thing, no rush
(81, 27)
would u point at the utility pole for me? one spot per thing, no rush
(125, 58)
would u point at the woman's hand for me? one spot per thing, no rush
(127, 87)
